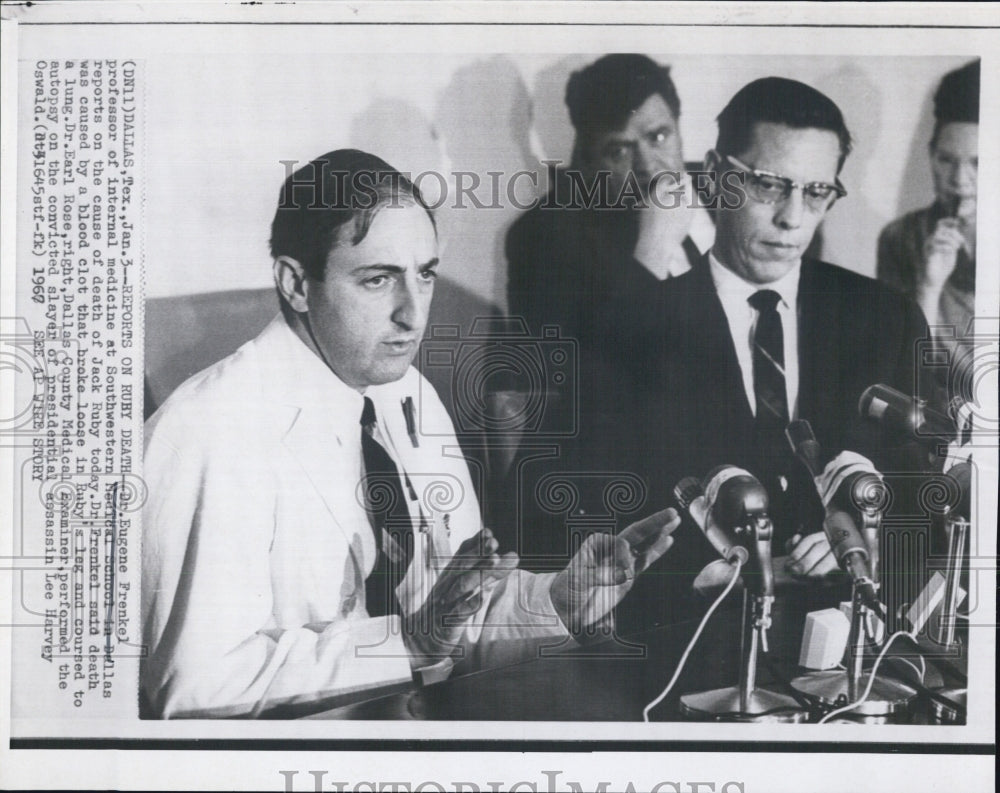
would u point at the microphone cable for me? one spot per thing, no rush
(808, 702)
(694, 640)
(871, 679)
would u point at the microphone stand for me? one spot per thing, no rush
(957, 528)
(889, 699)
(746, 702)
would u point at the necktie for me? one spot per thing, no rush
(390, 518)
(769, 380)
(769, 362)
(691, 251)
(771, 447)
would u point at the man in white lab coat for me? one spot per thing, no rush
(276, 573)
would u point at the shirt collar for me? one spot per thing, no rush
(731, 286)
(307, 381)
(702, 231)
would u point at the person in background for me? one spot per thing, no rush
(573, 255)
(930, 254)
(592, 260)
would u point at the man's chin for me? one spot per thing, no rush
(389, 371)
(766, 271)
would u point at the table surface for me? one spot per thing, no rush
(612, 681)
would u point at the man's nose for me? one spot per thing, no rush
(642, 161)
(963, 176)
(410, 309)
(788, 212)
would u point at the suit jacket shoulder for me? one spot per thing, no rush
(858, 303)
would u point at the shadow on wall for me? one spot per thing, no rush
(484, 117)
(481, 124)
(916, 187)
(852, 87)
(400, 134)
(550, 116)
(189, 333)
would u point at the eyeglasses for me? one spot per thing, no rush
(770, 188)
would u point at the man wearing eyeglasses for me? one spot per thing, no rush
(759, 334)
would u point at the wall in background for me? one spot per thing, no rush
(224, 123)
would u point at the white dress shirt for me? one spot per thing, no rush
(734, 293)
(256, 541)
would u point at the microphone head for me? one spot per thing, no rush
(719, 469)
(961, 474)
(961, 411)
(845, 537)
(804, 444)
(734, 493)
(869, 493)
(879, 399)
(686, 491)
(908, 418)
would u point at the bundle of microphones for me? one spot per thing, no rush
(730, 505)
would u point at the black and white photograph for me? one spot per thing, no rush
(499, 397)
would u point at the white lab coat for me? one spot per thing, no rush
(256, 541)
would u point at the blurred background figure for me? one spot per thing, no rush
(599, 241)
(930, 254)
(590, 265)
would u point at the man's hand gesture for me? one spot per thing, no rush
(602, 571)
(435, 629)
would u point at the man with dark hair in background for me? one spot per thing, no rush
(930, 254)
(759, 334)
(310, 531)
(592, 259)
(599, 241)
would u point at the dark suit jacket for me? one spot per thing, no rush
(853, 332)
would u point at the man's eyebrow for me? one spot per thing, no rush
(381, 267)
(378, 267)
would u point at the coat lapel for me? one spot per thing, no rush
(821, 343)
(313, 428)
(713, 356)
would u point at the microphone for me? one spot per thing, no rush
(838, 493)
(854, 488)
(906, 417)
(962, 411)
(961, 473)
(691, 497)
(731, 508)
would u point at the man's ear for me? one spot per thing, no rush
(712, 166)
(292, 283)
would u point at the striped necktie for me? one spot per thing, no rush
(769, 375)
